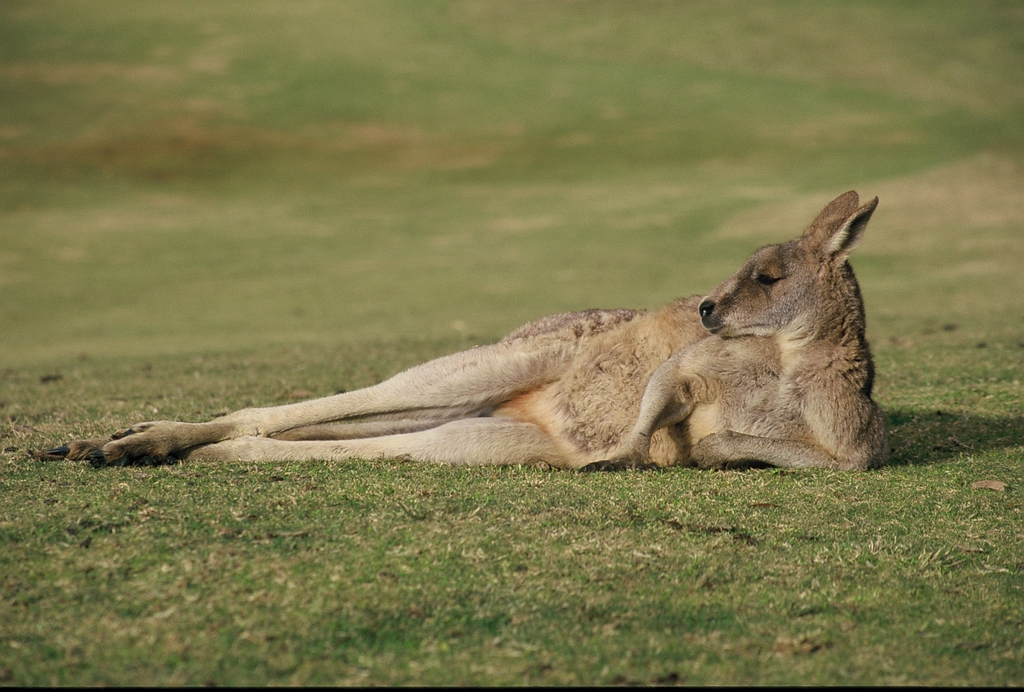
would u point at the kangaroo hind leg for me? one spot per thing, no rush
(461, 385)
(465, 442)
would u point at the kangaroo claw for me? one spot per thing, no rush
(55, 454)
(124, 433)
(596, 466)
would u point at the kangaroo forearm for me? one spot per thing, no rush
(726, 448)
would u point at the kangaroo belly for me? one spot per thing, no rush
(595, 403)
(704, 420)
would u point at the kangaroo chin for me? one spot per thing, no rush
(771, 367)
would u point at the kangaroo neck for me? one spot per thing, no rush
(839, 354)
(841, 320)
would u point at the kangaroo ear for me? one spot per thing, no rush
(840, 226)
(848, 236)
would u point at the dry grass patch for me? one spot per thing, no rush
(919, 212)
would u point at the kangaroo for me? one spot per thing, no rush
(772, 367)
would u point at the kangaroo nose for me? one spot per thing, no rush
(706, 308)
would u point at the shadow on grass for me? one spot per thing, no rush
(929, 436)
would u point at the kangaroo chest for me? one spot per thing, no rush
(754, 395)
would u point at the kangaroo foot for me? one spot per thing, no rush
(94, 452)
(98, 459)
(143, 444)
(139, 444)
(55, 454)
(72, 451)
(159, 442)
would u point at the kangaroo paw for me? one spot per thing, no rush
(604, 465)
(617, 465)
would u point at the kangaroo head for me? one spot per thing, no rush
(799, 288)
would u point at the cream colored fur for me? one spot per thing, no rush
(771, 367)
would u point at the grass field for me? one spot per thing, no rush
(205, 206)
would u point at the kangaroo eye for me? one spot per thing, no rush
(766, 280)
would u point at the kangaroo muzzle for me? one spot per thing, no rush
(708, 319)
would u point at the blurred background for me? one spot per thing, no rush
(182, 177)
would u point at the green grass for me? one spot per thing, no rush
(211, 206)
(392, 573)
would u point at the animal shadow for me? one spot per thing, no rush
(930, 436)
